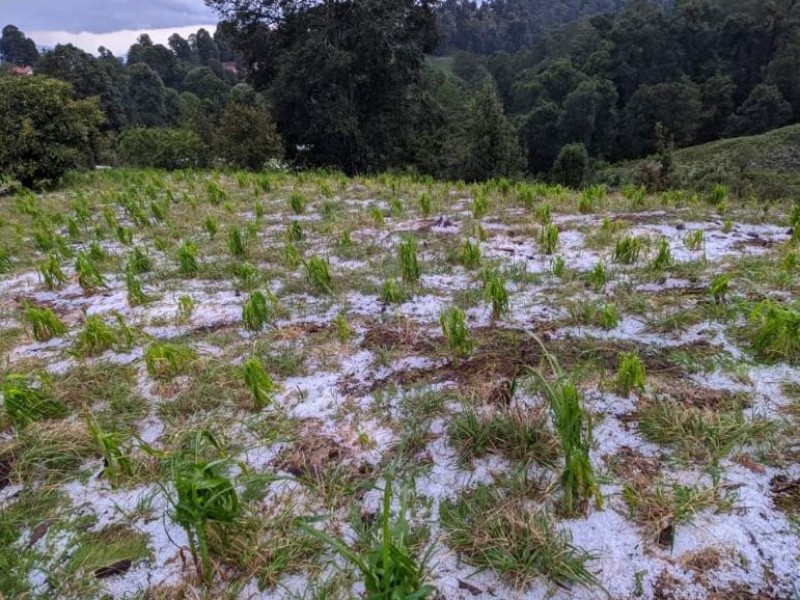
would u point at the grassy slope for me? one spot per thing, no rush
(767, 165)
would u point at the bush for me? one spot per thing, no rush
(571, 166)
(247, 137)
(43, 131)
(162, 148)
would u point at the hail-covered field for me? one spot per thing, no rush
(569, 395)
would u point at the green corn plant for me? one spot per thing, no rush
(494, 291)
(470, 255)
(45, 323)
(109, 444)
(237, 243)
(694, 240)
(574, 429)
(292, 256)
(256, 311)
(27, 400)
(159, 210)
(52, 275)
(247, 274)
(456, 334)
(345, 240)
(97, 336)
(548, 239)
(388, 570)
(138, 262)
(124, 235)
(558, 266)
(187, 259)
(586, 204)
(409, 265)
(719, 287)
(211, 227)
(727, 226)
(343, 330)
(377, 216)
(5, 261)
(258, 382)
(297, 202)
(89, 276)
(544, 213)
(135, 293)
(663, 258)
(166, 360)
(775, 331)
(44, 236)
(203, 493)
(392, 292)
(718, 195)
(216, 195)
(73, 229)
(608, 317)
(598, 277)
(83, 212)
(627, 250)
(294, 231)
(329, 210)
(318, 274)
(630, 374)
(425, 205)
(186, 308)
(479, 206)
(396, 207)
(97, 253)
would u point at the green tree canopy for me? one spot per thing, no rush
(44, 131)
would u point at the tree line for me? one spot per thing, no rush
(453, 89)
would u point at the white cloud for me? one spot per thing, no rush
(117, 41)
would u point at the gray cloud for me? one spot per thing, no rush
(103, 16)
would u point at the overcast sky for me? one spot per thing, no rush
(112, 23)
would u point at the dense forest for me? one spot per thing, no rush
(453, 89)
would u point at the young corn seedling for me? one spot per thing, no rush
(292, 256)
(26, 401)
(663, 258)
(494, 291)
(124, 235)
(186, 309)
(558, 266)
(409, 265)
(52, 275)
(294, 232)
(389, 570)
(343, 330)
(630, 374)
(456, 334)
(5, 261)
(376, 214)
(247, 274)
(694, 240)
(548, 239)
(392, 292)
(187, 259)
(256, 311)
(258, 382)
(598, 277)
(97, 336)
(166, 360)
(45, 323)
(115, 457)
(628, 250)
(719, 288)
(574, 429)
(470, 255)
(318, 274)
(237, 243)
(425, 205)
(544, 214)
(608, 317)
(89, 276)
(718, 195)
(775, 331)
(203, 493)
(297, 202)
(139, 262)
(133, 286)
(211, 227)
(216, 195)
(97, 253)
(479, 206)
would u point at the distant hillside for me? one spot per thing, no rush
(767, 165)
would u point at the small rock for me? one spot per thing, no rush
(117, 568)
